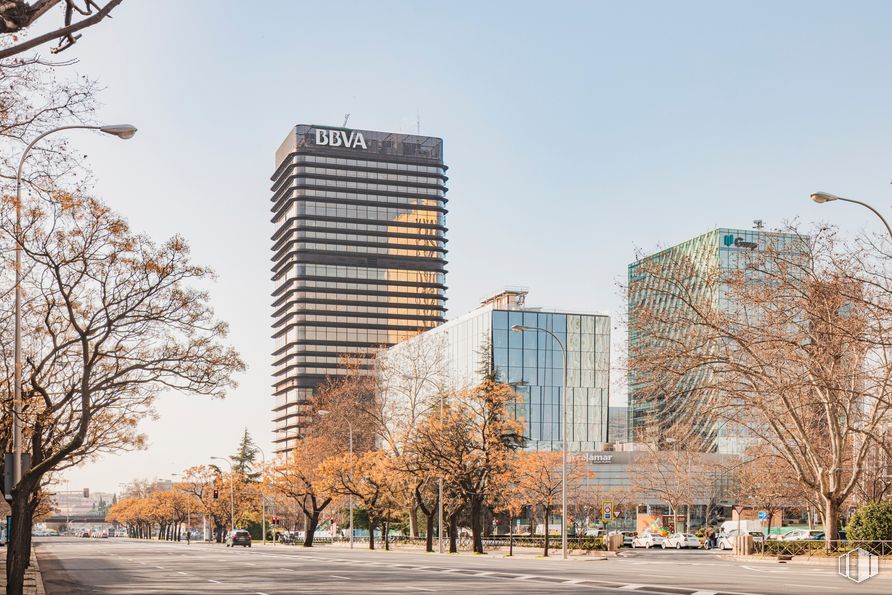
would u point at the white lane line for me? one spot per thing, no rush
(210, 580)
(703, 593)
(288, 569)
(181, 572)
(262, 593)
(576, 581)
(344, 578)
(524, 577)
(419, 588)
(160, 567)
(250, 564)
(631, 587)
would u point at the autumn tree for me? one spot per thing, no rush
(539, 477)
(371, 479)
(298, 478)
(470, 445)
(789, 348)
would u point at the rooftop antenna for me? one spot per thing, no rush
(346, 117)
(758, 224)
(418, 122)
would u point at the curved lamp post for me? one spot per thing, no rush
(123, 131)
(565, 404)
(822, 197)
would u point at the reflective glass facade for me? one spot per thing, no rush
(531, 362)
(359, 254)
(718, 250)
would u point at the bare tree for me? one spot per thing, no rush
(791, 348)
(110, 321)
(17, 16)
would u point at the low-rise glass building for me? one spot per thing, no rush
(531, 362)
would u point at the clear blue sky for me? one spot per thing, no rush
(575, 133)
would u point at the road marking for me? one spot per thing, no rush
(576, 581)
(631, 587)
(160, 567)
(704, 593)
(419, 588)
(812, 586)
(210, 580)
(343, 578)
(181, 572)
(250, 564)
(262, 593)
(524, 577)
(288, 569)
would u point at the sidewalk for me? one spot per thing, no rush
(33, 580)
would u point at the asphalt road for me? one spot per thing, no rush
(126, 567)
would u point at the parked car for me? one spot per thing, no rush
(648, 540)
(842, 535)
(85, 534)
(682, 540)
(802, 535)
(238, 537)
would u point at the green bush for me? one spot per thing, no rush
(872, 521)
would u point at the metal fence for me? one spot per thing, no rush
(816, 547)
(491, 542)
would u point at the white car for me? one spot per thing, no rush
(682, 540)
(800, 535)
(648, 540)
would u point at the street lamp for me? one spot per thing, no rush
(123, 131)
(822, 197)
(323, 412)
(231, 497)
(520, 328)
(262, 500)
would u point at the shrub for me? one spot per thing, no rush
(872, 521)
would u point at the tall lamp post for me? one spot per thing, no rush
(262, 498)
(231, 495)
(565, 402)
(323, 412)
(123, 131)
(822, 197)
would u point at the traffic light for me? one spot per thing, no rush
(216, 493)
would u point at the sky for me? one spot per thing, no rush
(575, 134)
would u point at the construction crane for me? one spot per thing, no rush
(346, 117)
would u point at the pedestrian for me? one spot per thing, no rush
(188, 537)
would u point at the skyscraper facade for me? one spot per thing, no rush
(359, 255)
(714, 254)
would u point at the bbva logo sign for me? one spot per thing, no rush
(339, 138)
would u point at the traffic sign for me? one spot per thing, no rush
(763, 514)
(607, 511)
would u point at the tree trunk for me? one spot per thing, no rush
(413, 520)
(831, 523)
(371, 533)
(477, 524)
(312, 523)
(510, 534)
(547, 518)
(19, 546)
(387, 535)
(429, 537)
(453, 533)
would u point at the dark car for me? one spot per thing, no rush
(238, 537)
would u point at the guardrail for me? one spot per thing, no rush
(492, 541)
(820, 547)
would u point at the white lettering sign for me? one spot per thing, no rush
(339, 138)
(591, 457)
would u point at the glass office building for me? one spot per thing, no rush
(359, 254)
(718, 251)
(531, 362)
